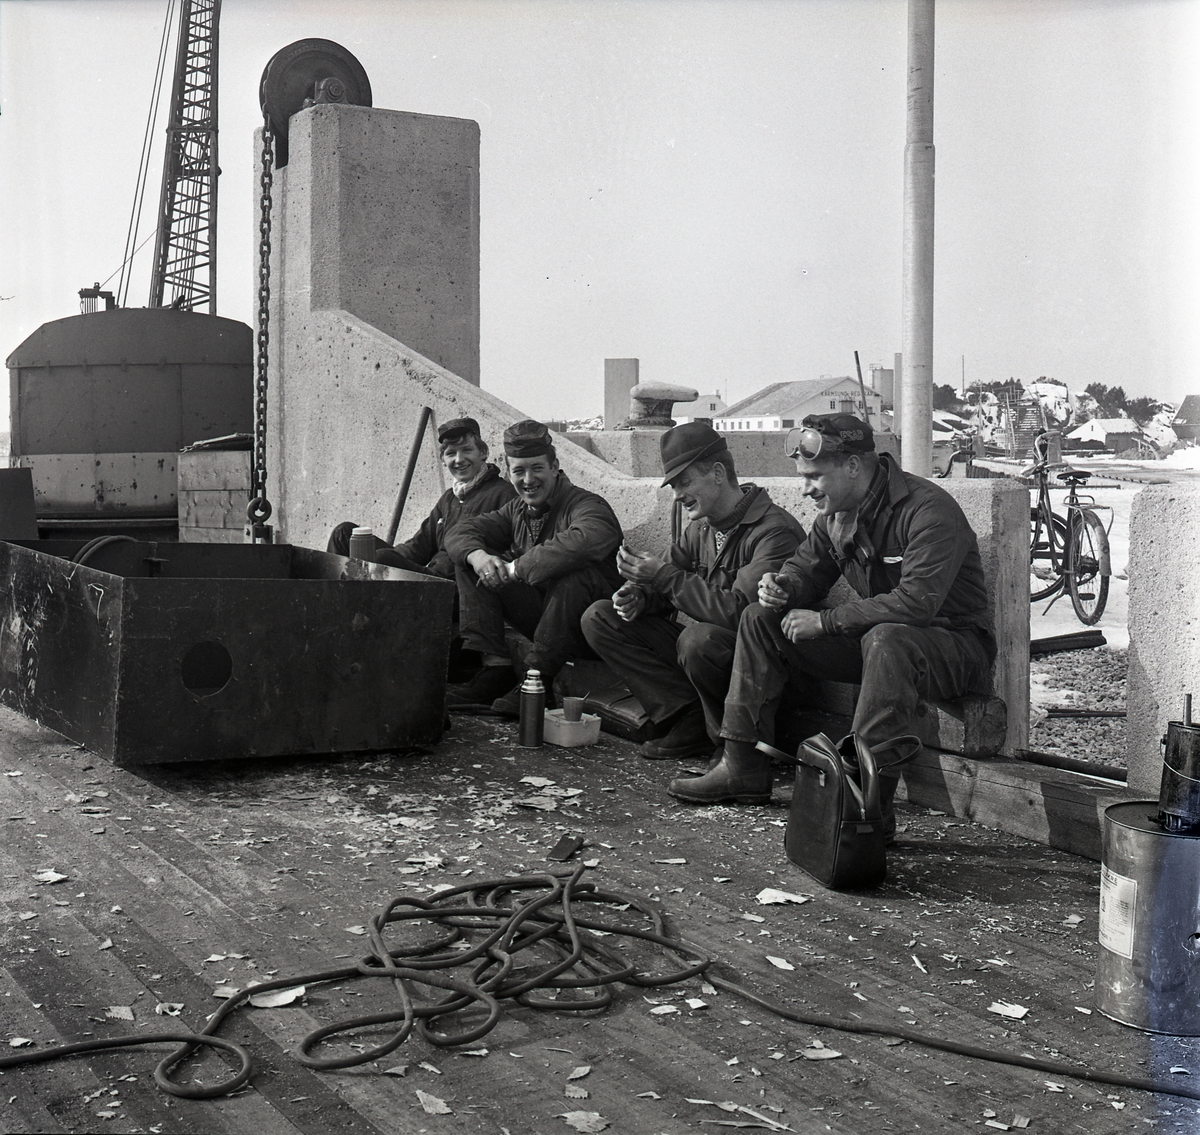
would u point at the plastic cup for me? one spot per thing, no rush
(572, 709)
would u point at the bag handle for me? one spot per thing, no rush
(818, 745)
(869, 766)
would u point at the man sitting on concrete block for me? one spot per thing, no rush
(920, 627)
(539, 562)
(735, 534)
(478, 487)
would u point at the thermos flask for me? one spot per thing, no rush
(533, 711)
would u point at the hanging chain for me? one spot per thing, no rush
(258, 511)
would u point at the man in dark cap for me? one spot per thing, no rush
(735, 534)
(919, 627)
(478, 487)
(539, 561)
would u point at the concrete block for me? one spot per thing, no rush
(620, 377)
(1164, 622)
(214, 469)
(389, 204)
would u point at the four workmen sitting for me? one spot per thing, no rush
(709, 636)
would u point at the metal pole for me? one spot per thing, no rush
(398, 511)
(916, 392)
(862, 390)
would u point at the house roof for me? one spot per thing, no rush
(781, 396)
(1094, 427)
(1189, 412)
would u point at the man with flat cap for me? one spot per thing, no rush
(919, 626)
(679, 670)
(539, 561)
(478, 487)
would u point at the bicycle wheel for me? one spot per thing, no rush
(1047, 556)
(1087, 551)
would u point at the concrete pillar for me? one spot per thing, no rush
(393, 224)
(1164, 623)
(916, 390)
(620, 377)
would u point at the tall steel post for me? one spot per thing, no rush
(184, 274)
(916, 390)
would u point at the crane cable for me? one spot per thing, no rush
(139, 192)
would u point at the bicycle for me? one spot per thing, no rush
(1068, 556)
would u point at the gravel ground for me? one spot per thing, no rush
(1079, 679)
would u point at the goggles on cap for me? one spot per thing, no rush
(810, 443)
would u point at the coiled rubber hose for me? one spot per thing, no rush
(518, 938)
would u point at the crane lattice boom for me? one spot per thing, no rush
(185, 250)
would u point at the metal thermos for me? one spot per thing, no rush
(533, 711)
(362, 544)
(1179, 792)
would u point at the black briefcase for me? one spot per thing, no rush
(835, 828)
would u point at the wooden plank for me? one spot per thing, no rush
(1060, 809)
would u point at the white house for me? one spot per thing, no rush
(783, 405)
(706, 406)
(1115, 434)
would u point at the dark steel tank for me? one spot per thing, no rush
(102, 403)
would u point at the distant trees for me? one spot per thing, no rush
(945, 397)
(1111, 402)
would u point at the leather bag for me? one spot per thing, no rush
(835, 828)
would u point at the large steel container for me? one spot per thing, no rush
(1148, 968)
(102, 403)
(158, 652)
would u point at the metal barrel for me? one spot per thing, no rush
(1148, 965)
(1179, 792)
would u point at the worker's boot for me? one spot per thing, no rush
(687, 737)
(742, 775)
(887, 792)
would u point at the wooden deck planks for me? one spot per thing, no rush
(955, 889)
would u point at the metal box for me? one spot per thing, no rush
(157, 652)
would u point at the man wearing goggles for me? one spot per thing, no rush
(919, 626)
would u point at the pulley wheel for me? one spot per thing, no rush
(304, 72)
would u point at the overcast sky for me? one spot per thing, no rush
(713, 186)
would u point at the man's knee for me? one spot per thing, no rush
(705, 644)
(599, 622)
(339, 538)
(892, 640)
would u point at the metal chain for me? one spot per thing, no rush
(258, 511)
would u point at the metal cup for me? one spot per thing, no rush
(572, 709)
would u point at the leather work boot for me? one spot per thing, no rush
(887, 791)
(742, 775)
(686, 738)
(488, 684)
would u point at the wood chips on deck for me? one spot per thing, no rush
(182, 879)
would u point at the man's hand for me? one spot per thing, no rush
(770, 593)
(493, 572)
(629, 601)
(799, 624)
(638, 567)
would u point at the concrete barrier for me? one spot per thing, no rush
(1164, 623)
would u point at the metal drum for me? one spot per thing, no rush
(1148, 969)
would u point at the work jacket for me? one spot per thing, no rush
(714, 586)
(428, 546)
(924, 569)
(578, 529)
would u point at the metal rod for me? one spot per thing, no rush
(398, 511)
(1187, 710)
(862, 390)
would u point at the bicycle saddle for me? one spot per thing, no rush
(1075, 476)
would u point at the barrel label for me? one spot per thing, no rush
(1118, 898)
